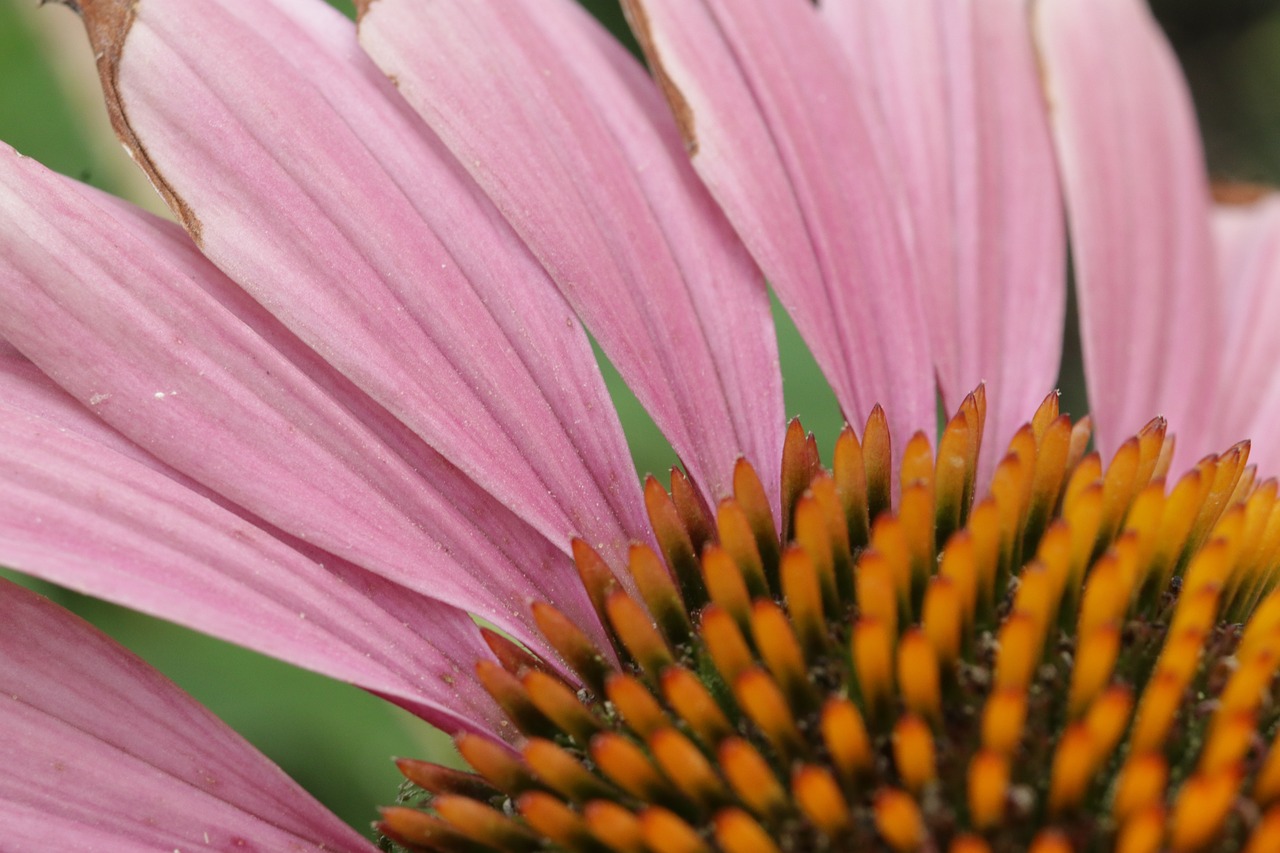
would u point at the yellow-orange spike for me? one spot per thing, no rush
(725, 643)
(877, 589)
(1196, 612)
(1011, 488)
(692, 510)
(514, 658)
(1262, 626)
(764, 703)
(617, 826)
(1053, 555)
(984, 534)
(968, 843)
(561, 705)
(959, 564)
(1106, 596)
(802, 587)
(1003, 717)
(410, 826)
(737, 832)
(877, 458)
(1227, 472)
(739, 542)
(484, 823)
(1266, 785)
(1250, 685)
(596, 576)
(564, 773)
(988, 788)
(915, 514)
(1141, 785)
(952, 476)
(725, 584)
(1050, 472)
(1050, 841)
(1119, 485)
(1087, 473)
(752, 779)
(813, 536)
(1144, 833)
(754, 501)
(943, 620)
(689, 697)
(873, 662)
(889, 539)
(1200, 809)
(1096, 655)
(673, 539)
(1150, 450)
(444, 780)
(496, 763)
(1108, 718)
(640, 711)
(660, 595)
(913, 753)
(846, 739)
(1085, 520)
(1021, 640)
(1037, 599)
(1181, 509)
(850, 476)
(664, 831)
(512, 696)
(918, 677)
(820, 800)
(898, 820)
(1266, 835)
(626, 765)
(917, 462)
(824, 492)
(799, 466)
(1230, 737)
(781, 653)
(688, 768)
(553, 819)
(573, 645)
(1156, 711)
(1074, 761)
(974, 409)
(1081, 434)
(637, 633)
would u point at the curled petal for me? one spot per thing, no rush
(102, 753)
(569, 138)
(1137, 199)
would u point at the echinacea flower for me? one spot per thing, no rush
(353, 406)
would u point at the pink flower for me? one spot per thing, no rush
(357, 404)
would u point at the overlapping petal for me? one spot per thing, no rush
(102, 753)
(1247, 238)
(124, 314)
(302, 174)
(959, 90)
(572, 142)
(1133, 173)
(799, 161)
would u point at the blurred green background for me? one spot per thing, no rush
(334, 739)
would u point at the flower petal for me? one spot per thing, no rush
(82, 507)
(1248, 243)
(102, 753)
(798, 162)
(302, 175)
(172, 355)
(572, 142)
(959, 89)
(1138, 209)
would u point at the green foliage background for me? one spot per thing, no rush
(336, 740)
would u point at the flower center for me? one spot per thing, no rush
(1081, 659)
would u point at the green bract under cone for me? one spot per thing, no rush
(1080, 659)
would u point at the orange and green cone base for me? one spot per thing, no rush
(1081, 659)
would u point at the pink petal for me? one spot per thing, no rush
(121, 311)
(959, 89)
(1248, 243)
(571, 140)
(102, 753)
(798, 161)
(81, 506)
(303, 176)
(1138, 209)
